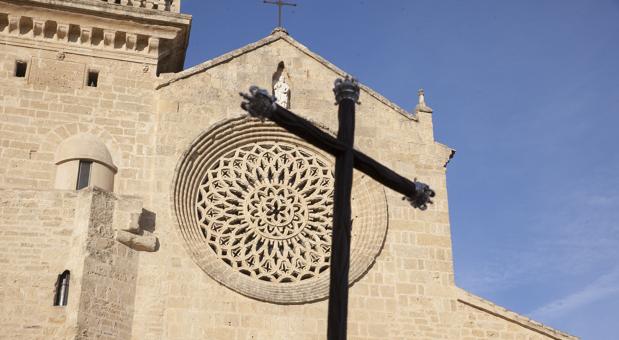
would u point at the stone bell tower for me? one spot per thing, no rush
(77, 112)
(88, 62)
(152, 33)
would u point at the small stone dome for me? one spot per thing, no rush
(84, 146)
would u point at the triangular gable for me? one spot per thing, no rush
(278, 34)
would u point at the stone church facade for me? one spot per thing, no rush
(138, 201)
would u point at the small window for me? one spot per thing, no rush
(61, 295)
(20, 69)
(83, 174)
(93, 78)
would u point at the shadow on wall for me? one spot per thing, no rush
(147, 223)
(147, 220)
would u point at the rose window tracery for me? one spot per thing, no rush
(265, 209)
(254, 206)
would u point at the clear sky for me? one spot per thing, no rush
(527, 92)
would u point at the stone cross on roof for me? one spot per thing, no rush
(279, 4)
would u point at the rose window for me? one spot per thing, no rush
(254, 206)
(265, 209)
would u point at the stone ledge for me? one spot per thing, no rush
(147, 243)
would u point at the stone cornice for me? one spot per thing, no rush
(96, 28)
(112, 55)
(103, 8)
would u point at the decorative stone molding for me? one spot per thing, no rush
(86, 35)
(131, 43)
(108, 37)
(53, 31)
(145, 31)
(13, 27)
(153, 46)
(161, 5)
(254, 206)
(62, 32)
(38, 27)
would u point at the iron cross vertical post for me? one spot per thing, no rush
(279, 4)
(346, 96)
(259, 103)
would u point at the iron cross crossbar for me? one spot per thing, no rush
(279, 4)
(259, 103)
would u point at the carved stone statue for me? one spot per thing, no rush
(422, 97)
(422, 106)
(281, 91)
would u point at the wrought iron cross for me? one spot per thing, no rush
(259, 103)
(279, 4)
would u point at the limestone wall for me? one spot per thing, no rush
(53, 103)
(44, 233)
(36, 238)
(109, 273)
(408, 290)
(408, 293)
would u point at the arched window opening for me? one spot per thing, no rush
(61, 295)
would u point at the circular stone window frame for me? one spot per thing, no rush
(369, 211)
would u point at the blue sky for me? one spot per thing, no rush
(527, 92)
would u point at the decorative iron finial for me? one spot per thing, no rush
(423, 196)
(258, 103)
(347, 88)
